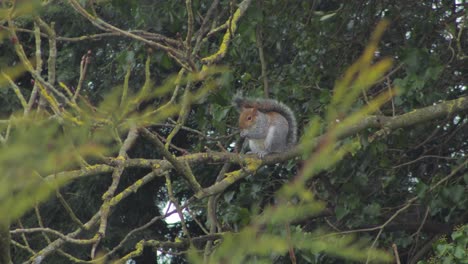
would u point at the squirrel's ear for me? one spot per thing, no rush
(237, 101)
(238, 108)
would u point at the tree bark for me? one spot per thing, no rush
(5, 243)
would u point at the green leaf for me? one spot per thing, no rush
(219, 112)
(243, 215)
(372, 209)
(246, 77)
(325, 96)
(457, 234)
(228, 196)
(460, 252)
(166, 62)
(421, 189)
(457, 193)
(341, 212)
(448, 260)
(441, 249)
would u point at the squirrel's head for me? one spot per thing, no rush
(247, 118)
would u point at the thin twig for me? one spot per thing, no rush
(395, 251)
(423, 157)
(261, 55)
(34, 93)
(190, 21)
(68, 209)
(85, 59)
(175, 202)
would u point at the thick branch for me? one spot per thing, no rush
(446, 108)
(4, 243)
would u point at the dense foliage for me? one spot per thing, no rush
(111, 110)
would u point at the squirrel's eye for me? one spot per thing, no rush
(249, 118)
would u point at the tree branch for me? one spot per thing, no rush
(414, 117)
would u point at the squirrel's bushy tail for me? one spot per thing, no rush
(271, 105)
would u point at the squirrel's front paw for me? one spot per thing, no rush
(262, 154)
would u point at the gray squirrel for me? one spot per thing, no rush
(269, 125)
